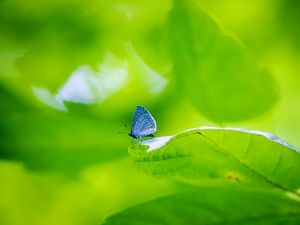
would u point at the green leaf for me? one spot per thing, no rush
(230, 176)
(61, 142)
(205, 155)
(215, 205)
(218, 77)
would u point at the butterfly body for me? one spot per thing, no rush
(143, 123)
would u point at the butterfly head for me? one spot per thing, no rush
(132, 135)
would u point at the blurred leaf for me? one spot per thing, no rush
(214, 70)
(10, 102)
(60, 141)
(65, 22)
(52, 198)
(215, 205)
(288, 27)
(55, 40)
(203, 155)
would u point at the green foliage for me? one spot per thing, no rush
(72, 72)
(212, 153)
(214, 69)
(215, 205)
(222, 154)
(49, 141)
(226, 170)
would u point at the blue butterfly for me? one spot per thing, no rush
(143, 123)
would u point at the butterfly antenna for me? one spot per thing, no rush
(122, 132)
(126, 126)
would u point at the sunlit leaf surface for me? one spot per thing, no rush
(251, 157)
(226, 170)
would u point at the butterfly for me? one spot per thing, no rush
(143, 123)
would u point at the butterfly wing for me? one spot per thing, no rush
(143, 123)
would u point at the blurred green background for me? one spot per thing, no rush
(72, 72)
